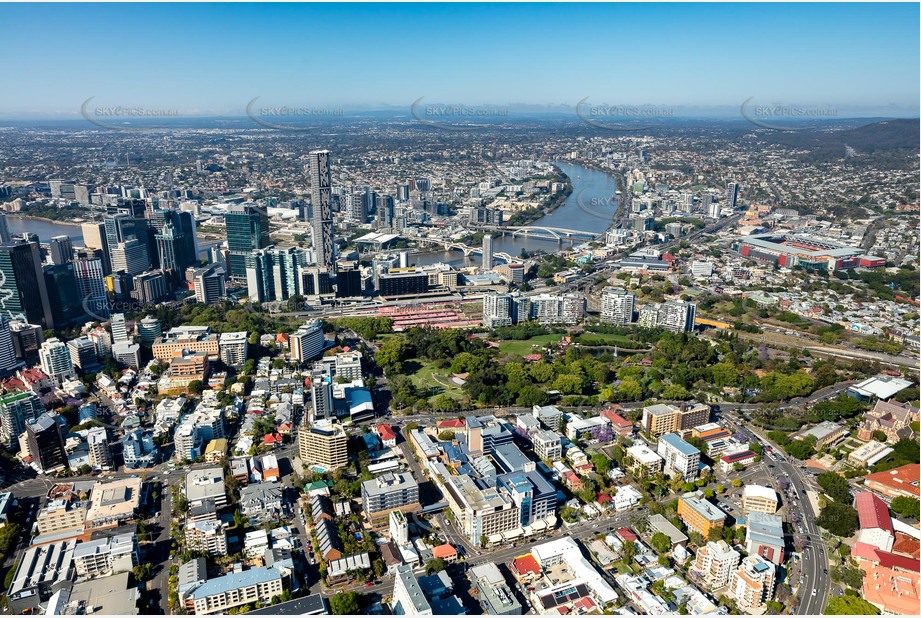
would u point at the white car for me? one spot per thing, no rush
(814, 591)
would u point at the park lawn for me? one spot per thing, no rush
(431, 381)
(524, 346)
(610, 337)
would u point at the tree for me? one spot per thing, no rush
(9, 536)
(434, 566)
(142, 572)
(850, 577)
(849, 605)
(195, 387)
(839, 519)
(345, 603)
(661, 543)
(835, 486)
(628, 553)
(905, 506)
(392, 353)
(736, 483)
(602, 463)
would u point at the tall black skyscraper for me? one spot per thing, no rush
(23, 295)
(64, 295)
(320, 192)
(45, 443)
(732, 194)
(175, 238)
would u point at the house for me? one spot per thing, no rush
(262, 500)
(386, 434)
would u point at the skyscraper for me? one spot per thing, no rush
(54, 356)
(91, 287)
(61, 249)
(4, 229)
(23, 294)
(677, 316)
(247, 231)
(94, 237)
(8, 360)
(497, 310)
(320, 190)
(176, 246)
(208, 283)
(276, 274)
(17, 407)
(487, 252)
(63, 294)
(130, 256)
(732, 194)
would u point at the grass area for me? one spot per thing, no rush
(524, 346)
(623, 567)
(610, 338)
(430, 380)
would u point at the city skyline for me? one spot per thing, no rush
(473, 55)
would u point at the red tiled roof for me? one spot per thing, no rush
(385, 432)
(885, 559)
(444, 551)
(906, 545)
(904, 478)
(741, 456)
(271, 438)
(627, 534)
(873, 512)
(454, 423)
(616, 419)
(526, 564)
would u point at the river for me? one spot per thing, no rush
(589, 208)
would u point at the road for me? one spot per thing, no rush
(814, 559)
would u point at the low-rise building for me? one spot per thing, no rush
(764, 537)
(42, 571)
(644, 461)
(699, 514)
(495, 597)
(235, 589)
(206, 484)
(390, 491)
(106, 556)
(759, 499)
(113, 503)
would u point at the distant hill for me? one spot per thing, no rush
(885, 140)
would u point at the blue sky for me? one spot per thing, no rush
(210, 58)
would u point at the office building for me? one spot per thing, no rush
(150, 287)
(322, 221)
(4, 228)
(531, 493)
(206, 484)
(63, 294)
(83, 354)
(27, 338)
(94, 237)
(8, 361)
(90, 275)
(175, 240)
(403, 283)
(247, 231)
(55, 359)
(617, 306)
(149, 330)
(181, 340)
(388, 492)
(323, 444)
(480, 512)
(119, 328)
(130, 257)
(46, 446)
(208, 282)
(23, 295)
(127, 354)
(16, 409)
(307, 342)
(699, 514)
(714, 564)
(61, 516)
(61, 250)
(752, 584)
(495, 596)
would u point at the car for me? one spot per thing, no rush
(369, 584)
(814, 592)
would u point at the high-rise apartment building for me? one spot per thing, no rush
(497, 310)
(320, 198)
(54, 356)
(17, 408)
(677, 316)
(617, 306)
(323, 444)
(715, 563)
(487, 252)
(307, 342)
(61, 250)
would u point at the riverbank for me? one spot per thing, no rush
(525, 217)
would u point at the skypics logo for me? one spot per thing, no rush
(453, 117)
(599, 207)
(126, 118)
(271, 117)
(101, 309)
(785, 117)
(621, 118)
